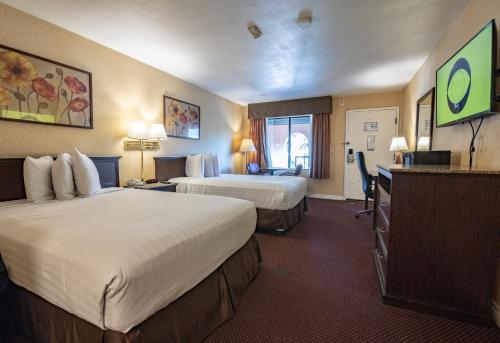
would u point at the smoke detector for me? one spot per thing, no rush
(254, 30)
(305, 18)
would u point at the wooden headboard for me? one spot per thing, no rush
(12, 180)
(169, 167)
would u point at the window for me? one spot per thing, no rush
(282, 131)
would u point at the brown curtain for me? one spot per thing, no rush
(258, 136)
(320, 157)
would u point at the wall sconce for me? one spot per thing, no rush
(144, 139)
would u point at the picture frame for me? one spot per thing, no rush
(38, 90)
(181, 119)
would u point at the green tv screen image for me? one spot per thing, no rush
(464, 83)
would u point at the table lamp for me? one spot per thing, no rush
(398, 144)
(246, 147)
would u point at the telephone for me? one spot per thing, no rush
(135, 183)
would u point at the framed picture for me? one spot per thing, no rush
(181, 119)
(37, 90)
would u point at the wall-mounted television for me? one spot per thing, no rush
(465, 84)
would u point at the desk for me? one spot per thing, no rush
(436, 239)
(271, 170)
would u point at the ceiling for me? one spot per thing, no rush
(351, 47)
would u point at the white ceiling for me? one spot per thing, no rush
(352, 46)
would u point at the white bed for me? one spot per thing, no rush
(105, 258)
(266, 192)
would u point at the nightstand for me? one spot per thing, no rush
(159, 186)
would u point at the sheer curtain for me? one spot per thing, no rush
(258, 136)
(320, 157)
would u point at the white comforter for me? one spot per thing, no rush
(268, 192)
(117, 258)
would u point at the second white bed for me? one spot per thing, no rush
(266, 192)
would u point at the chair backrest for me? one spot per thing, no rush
(253, 168)
(298, 170)
(366, 178)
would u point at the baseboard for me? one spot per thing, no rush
(495, 309)
(326, 196)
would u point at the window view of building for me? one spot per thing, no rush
(289, 141)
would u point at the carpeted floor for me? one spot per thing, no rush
(317, 283)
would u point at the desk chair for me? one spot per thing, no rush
(297, 171)
(368, 185)
(254, 169)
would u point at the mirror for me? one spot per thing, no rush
(425, 121)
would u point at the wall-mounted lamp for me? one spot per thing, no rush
(143, 139)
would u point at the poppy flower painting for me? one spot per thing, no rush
(181, 119)
(34, 89)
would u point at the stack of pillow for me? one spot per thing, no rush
(203, 165)
(64, 178)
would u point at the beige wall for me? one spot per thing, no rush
(123, 90)
(335, 184)
(456, 138)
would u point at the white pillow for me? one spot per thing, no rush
(62, 177)
(207, 161)
(195, 166)
(215, 165)
(38, 178)
(85, 174)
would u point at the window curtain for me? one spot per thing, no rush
(258, 136)
(320, 157)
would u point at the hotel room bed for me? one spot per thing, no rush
(280, 200)
(127, 265)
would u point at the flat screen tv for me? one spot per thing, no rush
(465, 84)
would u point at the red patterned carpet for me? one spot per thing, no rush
(317, 283)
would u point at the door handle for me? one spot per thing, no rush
(345, 143)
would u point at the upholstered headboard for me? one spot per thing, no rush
(12, 180)
(169, 167)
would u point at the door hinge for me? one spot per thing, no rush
(396, 120)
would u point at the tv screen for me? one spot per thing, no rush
(465, 84)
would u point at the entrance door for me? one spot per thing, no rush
(370, 131)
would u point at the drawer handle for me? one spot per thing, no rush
(379, 255)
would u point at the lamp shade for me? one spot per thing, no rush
(157, 131)
(247, 145)
(138, 130)
(423, 143)
(398, 144)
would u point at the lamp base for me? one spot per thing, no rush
(398, 157)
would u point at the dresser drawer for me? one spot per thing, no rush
(380, 261)
(382, 229)
(384, 205)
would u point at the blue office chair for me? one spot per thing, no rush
(368, 184)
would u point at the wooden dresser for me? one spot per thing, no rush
(436, 232)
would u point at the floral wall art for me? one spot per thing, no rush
(181, 119)
(37, 90)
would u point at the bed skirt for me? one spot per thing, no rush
(280, 220)
(190, 318)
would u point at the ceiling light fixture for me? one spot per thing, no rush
(305, 18)
(254, 30)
